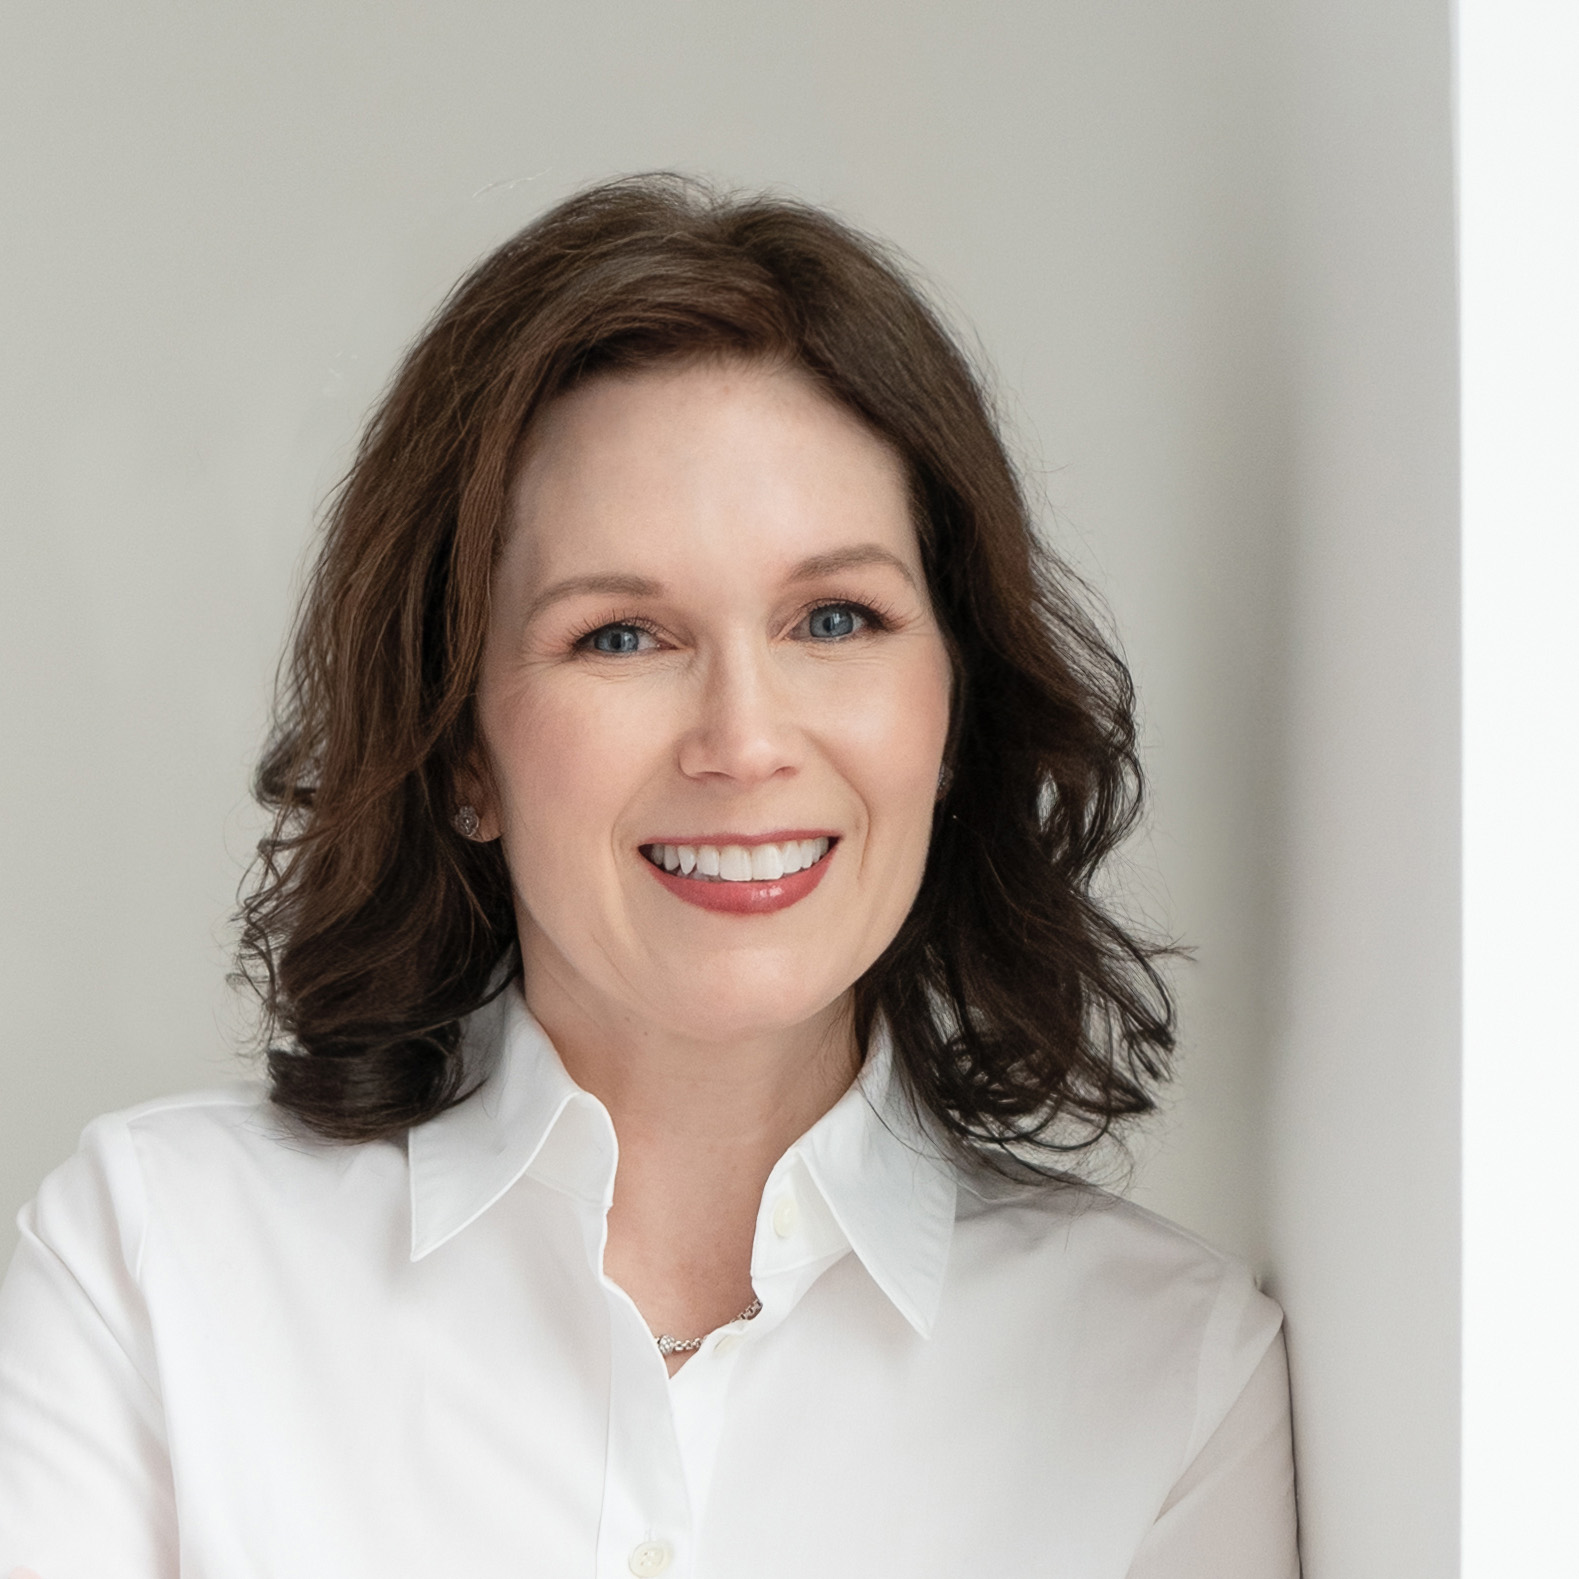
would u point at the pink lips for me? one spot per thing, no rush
(750, 898)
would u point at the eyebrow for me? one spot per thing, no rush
(611, 585)
(850, 559)
(614, 585)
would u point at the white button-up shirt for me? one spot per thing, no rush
(230, 1349)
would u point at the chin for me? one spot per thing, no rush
(735, 1004)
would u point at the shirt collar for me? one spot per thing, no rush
(885, 1183)
(467, 1157)
(882, 1183)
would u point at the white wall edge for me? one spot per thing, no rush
(1519, 246)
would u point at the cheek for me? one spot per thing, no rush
(564, 763)
(893, 739)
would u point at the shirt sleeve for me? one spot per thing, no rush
(1231, 1513)
(85, 1482)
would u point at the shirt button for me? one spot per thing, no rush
(785, 1215)
(651, 1557)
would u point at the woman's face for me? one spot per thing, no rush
(714, 701)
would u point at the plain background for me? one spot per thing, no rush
(1208, 247)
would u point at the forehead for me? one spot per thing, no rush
(714, 457)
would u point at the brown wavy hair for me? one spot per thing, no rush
(1024, 1012)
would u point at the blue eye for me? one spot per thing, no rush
(616, 639)
(832, 622)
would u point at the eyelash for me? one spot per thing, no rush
(878, 619)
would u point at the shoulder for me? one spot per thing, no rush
(222, 1124)
(1079, 1216)
(210, 1154)
(1074, 1236)
(1074, 1221)
(1118, 1280)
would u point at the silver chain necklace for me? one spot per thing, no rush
(668, 1345)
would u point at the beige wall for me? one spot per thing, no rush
(1363, 1125)
(225, 221)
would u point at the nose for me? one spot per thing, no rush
(744, 731)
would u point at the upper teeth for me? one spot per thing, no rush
(738, 863)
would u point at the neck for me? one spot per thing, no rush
(701, 1124)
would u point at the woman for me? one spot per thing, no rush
(679, 943)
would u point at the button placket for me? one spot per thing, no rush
(645, 1524)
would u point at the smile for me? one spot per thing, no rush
(743, 879)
